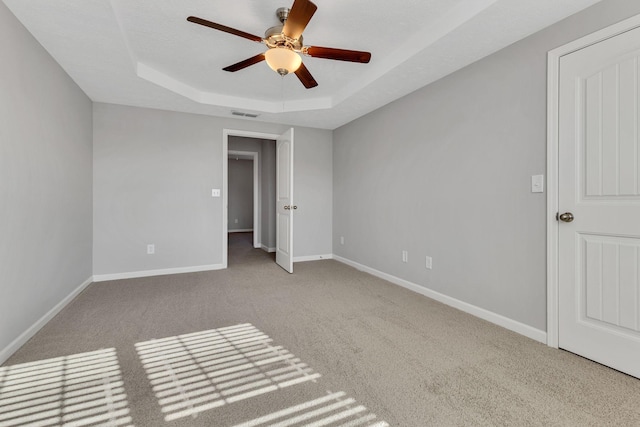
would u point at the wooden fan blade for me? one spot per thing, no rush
(299, 16)
(305, 77)
(244, 64)
(224, 28)
(338, 54)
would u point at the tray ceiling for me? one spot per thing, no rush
(144, 53)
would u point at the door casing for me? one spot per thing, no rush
(553, 73)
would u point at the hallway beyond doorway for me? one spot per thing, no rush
(241, 250)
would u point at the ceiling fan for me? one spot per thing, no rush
(285, 44)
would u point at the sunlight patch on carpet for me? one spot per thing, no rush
(196, 372)
(79, 390)
(334, 409)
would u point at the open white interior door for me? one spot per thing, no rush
(599, 201)
(284, 201)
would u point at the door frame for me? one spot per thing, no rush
(257, 226)
(226, 133)
(553, 75)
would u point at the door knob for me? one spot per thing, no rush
(287, 207)
(295, 207)
(565, 217)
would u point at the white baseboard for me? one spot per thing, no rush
(6, 352)
(268, 249)
(241, 230)
(312, 258)
(505, 322)
(162, 272)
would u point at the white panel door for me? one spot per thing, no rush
(599, 183)
(284, 200)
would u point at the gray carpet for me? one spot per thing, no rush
(351, 350)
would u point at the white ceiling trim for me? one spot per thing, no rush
(152, 75)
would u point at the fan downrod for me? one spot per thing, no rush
(283, 13)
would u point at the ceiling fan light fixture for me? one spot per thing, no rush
(285, 44)
(282, 60)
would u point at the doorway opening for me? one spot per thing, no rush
(244, 222)
(244, 194)
(250, 180)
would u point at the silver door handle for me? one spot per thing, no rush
(565, 217)
(287, 207)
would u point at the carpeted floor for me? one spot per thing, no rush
(328, 345)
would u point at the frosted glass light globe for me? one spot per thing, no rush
(282, 60)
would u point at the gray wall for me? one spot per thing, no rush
(446, 170)
(313, 186)
(240, 194)
(153, 175)
(45, 181)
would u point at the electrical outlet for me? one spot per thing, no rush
(405, 256)
(342, 240)
(151, 249)
(215, 192)
(429, 263)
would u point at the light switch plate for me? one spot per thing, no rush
(215, 192)
(537, 184)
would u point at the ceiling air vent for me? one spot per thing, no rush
(241, 114)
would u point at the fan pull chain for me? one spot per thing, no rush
(282, 91)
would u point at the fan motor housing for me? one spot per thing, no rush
(274, 37)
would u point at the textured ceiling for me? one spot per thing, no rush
(144, 53)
